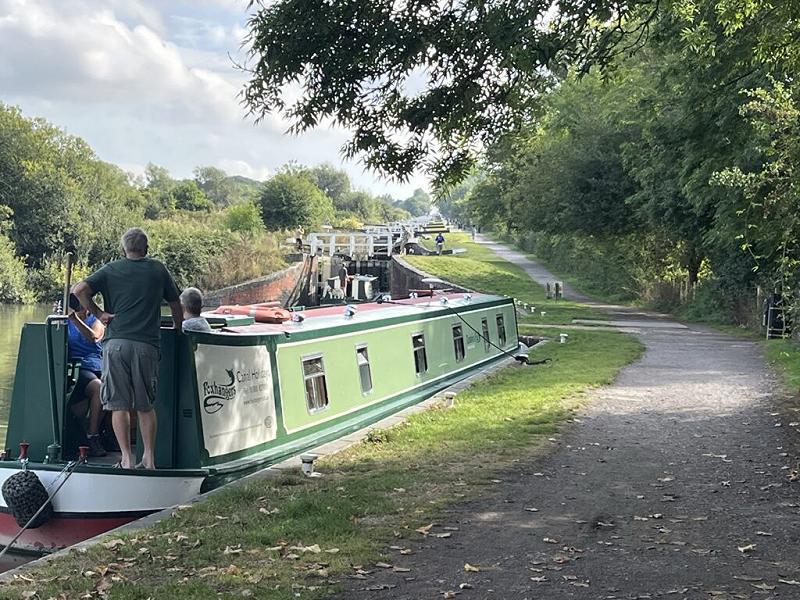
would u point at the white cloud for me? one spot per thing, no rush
(241, 167)
(150, 81)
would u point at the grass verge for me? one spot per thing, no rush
(481, 269)
(784, 357)
(299, 538)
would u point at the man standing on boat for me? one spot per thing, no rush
(132, 290)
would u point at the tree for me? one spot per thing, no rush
(291, 200)
(188, 196)
(359, 203)
(216, 185)
(333, 182)
(485, 63)
(418, 204)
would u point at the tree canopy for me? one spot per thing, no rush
(426, 84)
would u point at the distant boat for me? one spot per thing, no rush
(242, 398)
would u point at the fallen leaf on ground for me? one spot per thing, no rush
(747, 578)
(548, 540)
(471, 568)
(763, 533)
(763, 586)
(747, 548)
(383, 565)
(539, 579)
(789, 581)
(425, 529)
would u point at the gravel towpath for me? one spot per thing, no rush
(674, 482)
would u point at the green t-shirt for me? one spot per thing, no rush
(132, 291)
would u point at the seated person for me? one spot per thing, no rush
(192, 303)
(84, 333)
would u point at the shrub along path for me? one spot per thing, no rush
(677, 482)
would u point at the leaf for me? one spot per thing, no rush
(383, 565)
(424, 530)
(789, 581)
(763, 586)
(747, 548)
(443, 535)
(471, 568)
(548, 540)
(111, 544)
(541, 579)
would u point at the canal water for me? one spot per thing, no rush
(12, 317)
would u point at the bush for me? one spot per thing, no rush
(244, 259)
(188, 249)
(201, 254)
(289, 200)
(243, 218)
(47, 282)
(13, 284)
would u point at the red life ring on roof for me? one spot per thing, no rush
(261, 314)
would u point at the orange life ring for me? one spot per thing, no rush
(261, 314)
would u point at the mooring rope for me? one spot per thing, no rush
(68, 469)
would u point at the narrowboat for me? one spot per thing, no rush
(239, 399)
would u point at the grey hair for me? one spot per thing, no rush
(135, 241)
(192, 300)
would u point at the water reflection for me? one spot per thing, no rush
(12, 317)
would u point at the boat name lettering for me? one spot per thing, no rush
(215, 395)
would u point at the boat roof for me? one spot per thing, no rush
(328, 317)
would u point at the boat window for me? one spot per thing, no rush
(420, 358)
(501, 330)
(487, 344)
(364, 372)
(316, 387)
(458, 342)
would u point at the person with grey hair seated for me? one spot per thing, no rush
(192, 302)
(132, 289)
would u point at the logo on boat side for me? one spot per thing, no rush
(215, 395)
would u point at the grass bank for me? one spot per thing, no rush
(294, 537)
(482, 270)
(784, 357)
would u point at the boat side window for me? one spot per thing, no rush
(364, 371)
(501, 330)
(420, 358)
(458, 342)
(487, 344)
(316, 386)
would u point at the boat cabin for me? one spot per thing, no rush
(250, 394)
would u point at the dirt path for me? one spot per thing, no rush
(671, 484)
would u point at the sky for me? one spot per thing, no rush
(154, 81)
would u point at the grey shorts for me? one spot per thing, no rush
(130, 375)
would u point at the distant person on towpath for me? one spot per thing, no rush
(439, 244)
(132, 289)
